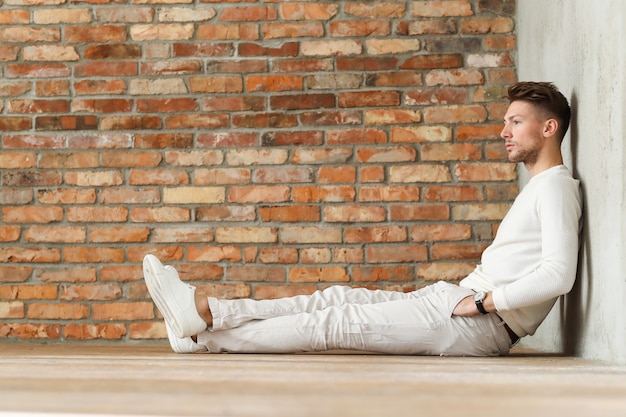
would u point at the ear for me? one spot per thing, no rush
(550, 127)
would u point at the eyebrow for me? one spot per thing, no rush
(512, 117)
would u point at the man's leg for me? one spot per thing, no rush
(421, 325)
(187, 313)
(227, 314)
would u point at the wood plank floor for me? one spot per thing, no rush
(144, 379)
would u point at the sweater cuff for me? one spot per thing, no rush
(499, 301)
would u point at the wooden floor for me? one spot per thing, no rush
(150, 380)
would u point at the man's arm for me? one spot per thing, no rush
(467, 307)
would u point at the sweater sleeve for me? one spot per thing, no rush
(558, 207)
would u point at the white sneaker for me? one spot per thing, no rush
(173, 298)
(184, 345)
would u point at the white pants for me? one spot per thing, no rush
(390, 322)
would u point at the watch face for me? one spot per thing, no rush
(480, 296)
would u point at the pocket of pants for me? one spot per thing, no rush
(452, 295)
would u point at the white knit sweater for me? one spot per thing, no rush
(533, 258)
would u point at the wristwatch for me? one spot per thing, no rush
(478, 299)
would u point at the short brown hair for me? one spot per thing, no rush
(548, 100)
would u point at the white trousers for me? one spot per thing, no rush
(389, 322)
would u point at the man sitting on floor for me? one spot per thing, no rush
(531, 262)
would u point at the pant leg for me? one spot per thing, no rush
(421, 325)
(228, 314)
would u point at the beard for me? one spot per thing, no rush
(526, 156)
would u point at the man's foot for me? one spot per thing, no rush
(184, 345)
(173, 298)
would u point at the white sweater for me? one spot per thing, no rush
(534, 256)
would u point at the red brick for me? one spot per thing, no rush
(119, 234)
(212, 32)
(123, 311)
(335, 175)
(302, 101)
(93, 34)
(159, 215)
(372, 193)
(384, 63)
(292, 30)
(15, 123)
(147, 330)
(368, 99)
(258, 194)
(76, 331)
(32, 214)
(457, 251)
(354, 213)
(57, 234)
(356, 136)
(451, 152)
(10, 233)
(428, 97)
(254, 273)
(105, 69)
(290, 214)
(129, 196)
(378, 234)
(227, 253)
(279, 138)
(278, 255)
(265, 292)
(452, 193)
(225, 213)
(442, 8)
(248, 14)
(440, 232)
(321, 156)
(486, 171)
(382, 155)
(11, 310)
(419, 212)
(396, 253)
(74, 274)
(93, 254)
(330, 118)
(372, 174)
(308, 11)
(53, 88)
(401, 273)
(349, 28)
(246, 235)
(64, 311)
(265, 120)
(318, 274)
(348, 255)
(31, 331)
(309, 235)
(166, 105)
(315, 255)
(314, 194)
(91, 292)
(455, 114)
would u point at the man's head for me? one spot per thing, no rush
(546, 99)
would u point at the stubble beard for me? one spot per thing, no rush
(525, 156)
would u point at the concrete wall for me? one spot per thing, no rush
(580, 46)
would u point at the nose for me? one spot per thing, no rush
(505, 133)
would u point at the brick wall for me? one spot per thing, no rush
(266, 148)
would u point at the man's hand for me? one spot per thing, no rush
(467, 307)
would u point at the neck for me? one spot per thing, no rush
(543, 164)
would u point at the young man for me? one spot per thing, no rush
(531, 262)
